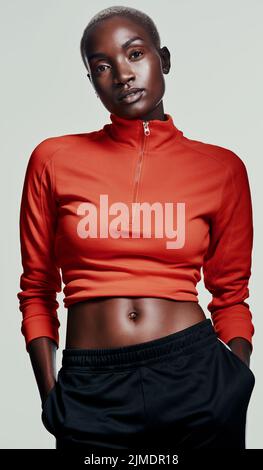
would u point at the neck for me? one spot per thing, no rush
(156, 113)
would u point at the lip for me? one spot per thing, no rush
(131, 96)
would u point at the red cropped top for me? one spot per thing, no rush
(134, 209)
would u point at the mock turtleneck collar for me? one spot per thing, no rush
(130, 132)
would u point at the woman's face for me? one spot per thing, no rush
(115, 68)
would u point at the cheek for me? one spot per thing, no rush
(153, 78)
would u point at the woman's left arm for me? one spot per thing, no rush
(242, 348)
(227, 263)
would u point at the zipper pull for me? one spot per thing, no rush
(146, 127)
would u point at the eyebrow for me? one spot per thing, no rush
(126, 44)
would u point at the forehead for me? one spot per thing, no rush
(114, 32)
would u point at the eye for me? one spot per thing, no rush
(134, 52)
(97, 69)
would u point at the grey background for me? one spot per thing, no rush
(213, 92)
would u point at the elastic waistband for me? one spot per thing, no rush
(187, 340)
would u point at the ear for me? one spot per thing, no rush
(88, 75)
(90, 79)
(165, 58)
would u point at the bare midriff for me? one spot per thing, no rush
(111, 322)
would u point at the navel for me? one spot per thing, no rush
(132, 315)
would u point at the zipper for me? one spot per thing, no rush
(146, 133)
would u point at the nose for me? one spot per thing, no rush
(122, 72)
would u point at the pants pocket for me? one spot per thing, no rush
(242, 365)
(52, 415)
(46, 408)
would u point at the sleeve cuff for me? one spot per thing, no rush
(233, 322)
(40, 325)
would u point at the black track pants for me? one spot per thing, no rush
(187, 390)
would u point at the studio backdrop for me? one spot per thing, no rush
(213, 92)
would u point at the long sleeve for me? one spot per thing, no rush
(227, 263)
(40, 279)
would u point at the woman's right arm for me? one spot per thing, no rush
(40, 279)
(42, 353)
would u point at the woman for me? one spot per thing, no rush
(142, 366)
